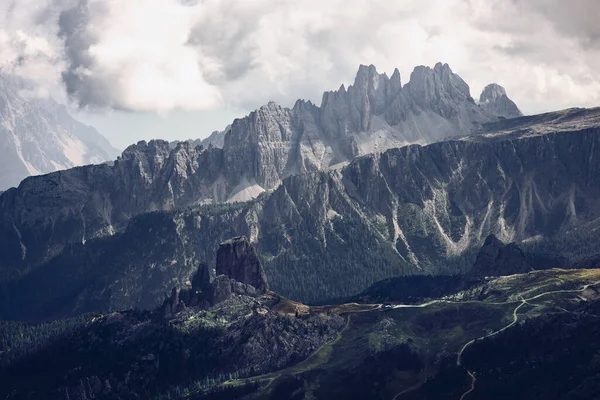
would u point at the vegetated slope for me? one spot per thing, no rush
(563, 347)
(218, 338)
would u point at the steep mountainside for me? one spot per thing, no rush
(418, 210)
(38, 136)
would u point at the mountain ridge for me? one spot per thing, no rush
(419, 209)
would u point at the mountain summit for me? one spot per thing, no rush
(38, 136)
(494, 100)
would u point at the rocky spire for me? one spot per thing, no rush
(350, 111)
(494, 100)
(395, 82)
(236, 258)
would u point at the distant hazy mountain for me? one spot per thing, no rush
(494, 100)
(38, 136)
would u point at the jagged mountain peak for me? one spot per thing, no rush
(367, 73)
(495, 101)
(271, 105)
(151, 146)
(429, 85)
(492, 91)
(395, 81)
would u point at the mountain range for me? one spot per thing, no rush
(321, 235)
(292, 153)
(37, 135)
(371, 247)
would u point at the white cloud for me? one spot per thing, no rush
(160, 55)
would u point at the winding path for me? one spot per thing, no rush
(273, 376)
(514, 321)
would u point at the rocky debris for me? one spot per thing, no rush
(236, 258)
(493, 99)
(498, 259)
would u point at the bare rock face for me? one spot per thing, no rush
(497, 259)
(494, 100)
(239, 272)
(407, 211)
(236, 258)
(351, 111)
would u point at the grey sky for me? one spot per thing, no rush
(178, 69)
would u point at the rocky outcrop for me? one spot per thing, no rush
(38, 136)
(236, 258)
(238, 272)
(494, 100)
(497, 259)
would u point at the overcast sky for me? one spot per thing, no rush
(138, 69)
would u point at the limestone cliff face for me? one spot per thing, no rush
(374, 114)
